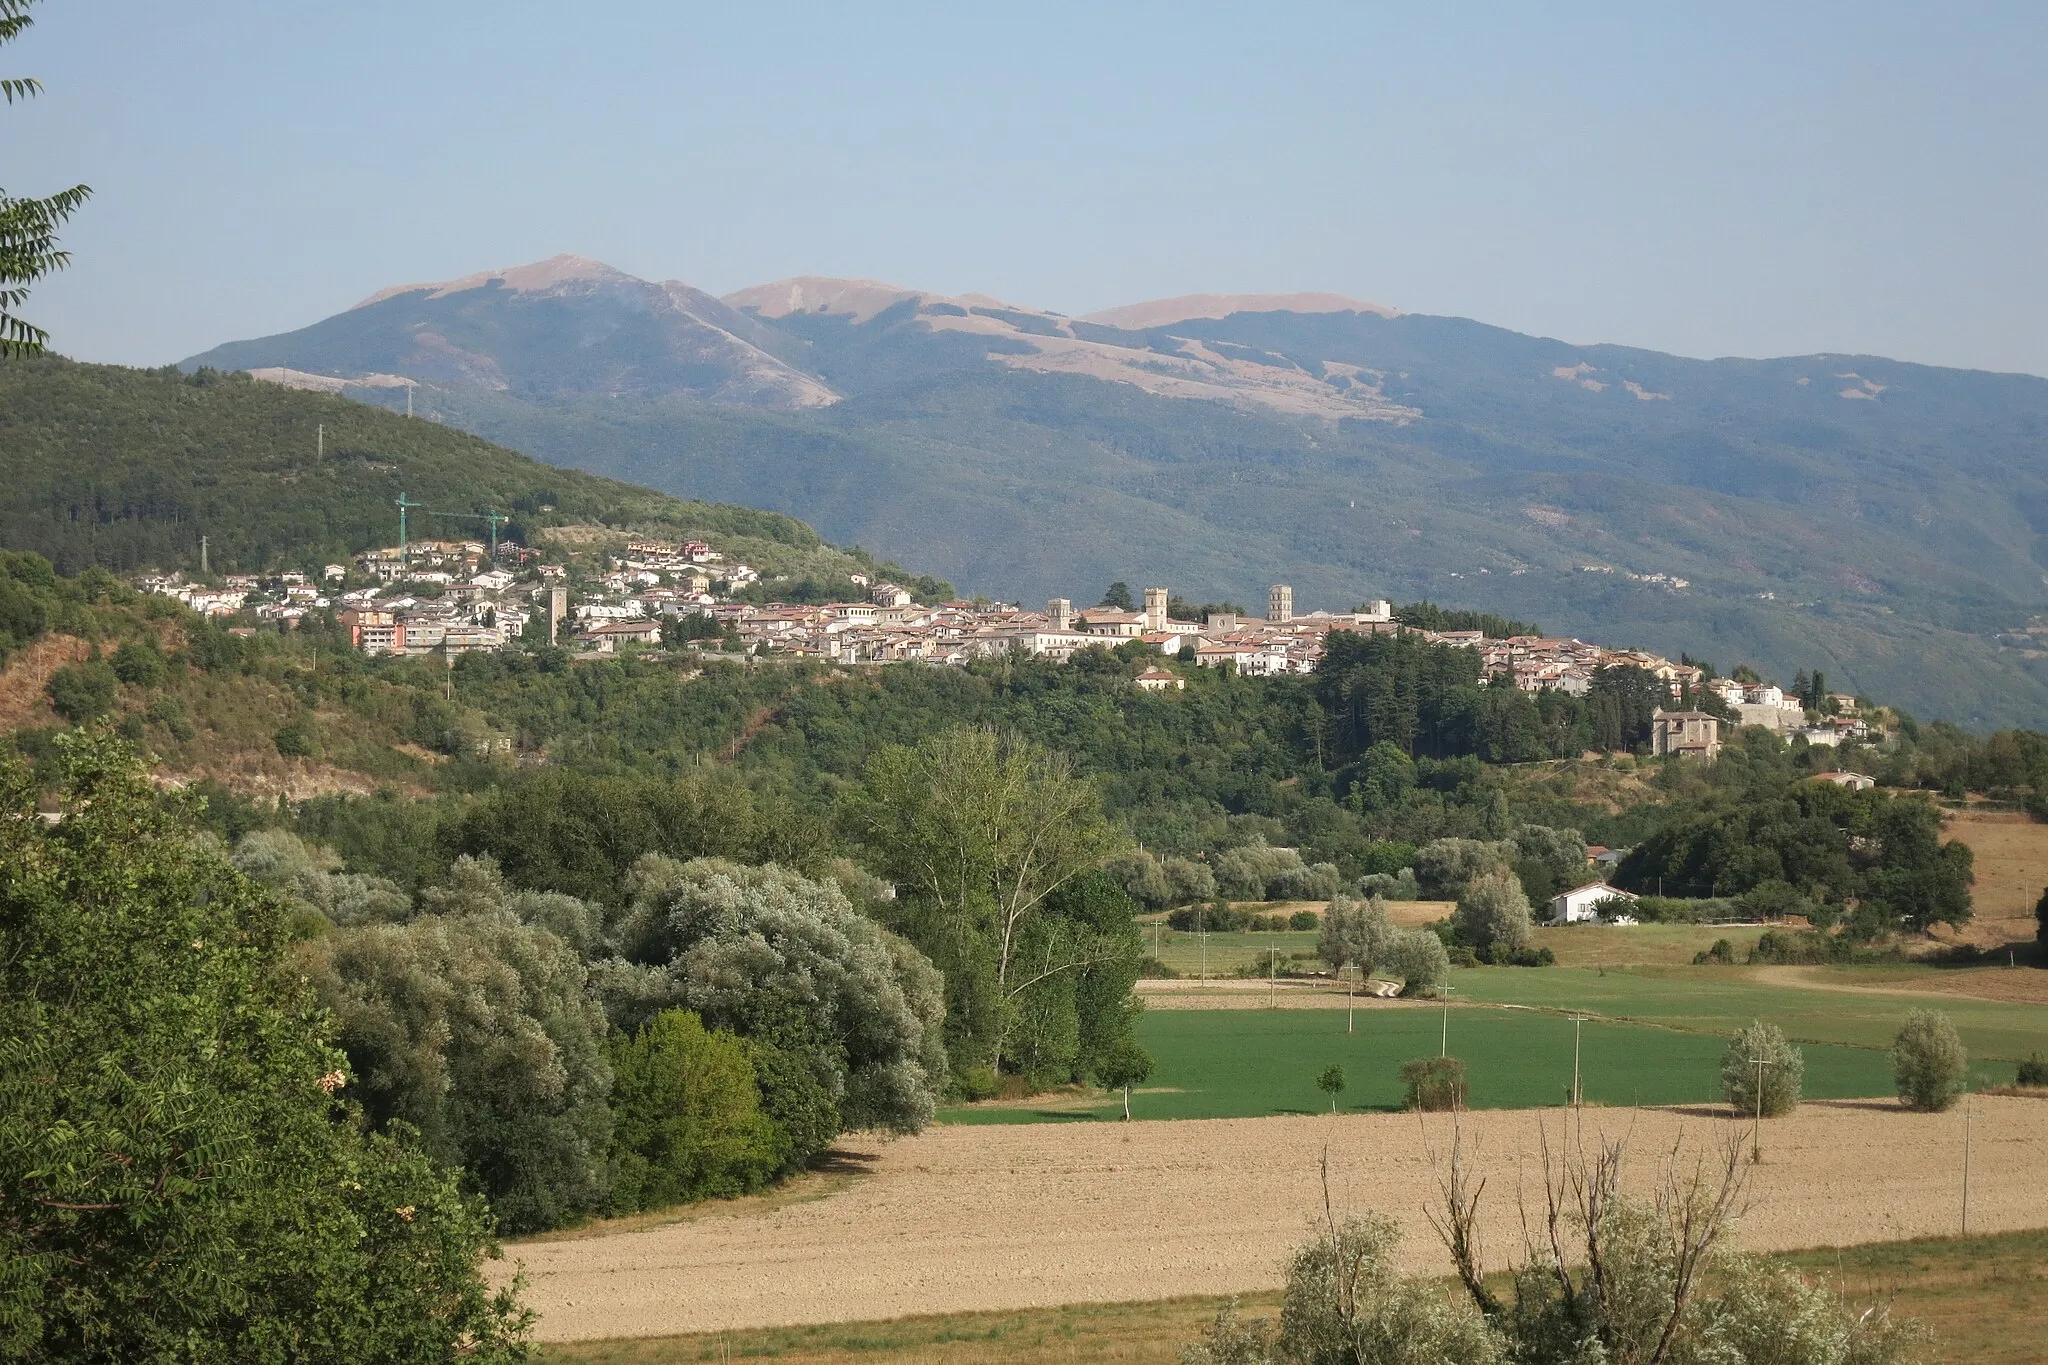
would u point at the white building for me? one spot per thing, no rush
(1583, 904)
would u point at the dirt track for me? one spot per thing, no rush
(1006, 1217)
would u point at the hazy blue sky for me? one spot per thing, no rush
(1726, 178)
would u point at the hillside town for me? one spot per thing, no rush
(448, 598)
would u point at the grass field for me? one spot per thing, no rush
(2011, 851)
(1985, 1299)
(1811, 1006)
(1247, 1063)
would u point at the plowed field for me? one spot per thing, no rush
(1006, 1217)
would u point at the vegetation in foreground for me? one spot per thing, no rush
(1982, 1297)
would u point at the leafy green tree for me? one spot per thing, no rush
(1330, 1080)
(83, 692)
(1493, 913)
(1118, 595)
(775, 957)
(689, 1121)
(1783, 1072)
(1929, 1062)
(479, 1031)
(1419, 958)
(977, 831)
(1444, 866)
(183, 1177)
(2041, 924)
(796, 1101)
(1355, 934)
(1125, 1064)
(28, 227)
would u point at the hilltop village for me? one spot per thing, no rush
(454, 597)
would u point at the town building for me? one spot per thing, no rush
(1689, 734)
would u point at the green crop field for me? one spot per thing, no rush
(1225, 953)
(1723, 999)
(1242, 1063)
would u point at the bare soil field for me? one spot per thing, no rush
(2011, 851)
(969, 1218)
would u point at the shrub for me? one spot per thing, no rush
(1722, 954)
(1303, 920)
(1433, 1084)
(2033, 1071)
(1803, 948)
(687, 1116)
(139, 662)
(1393, 886)
(1317, 883)
(1492, 912)
(1784, 1071)
(1929, 1062)
(298, 737)
(83, 692)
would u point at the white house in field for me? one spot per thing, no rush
(1581, 905)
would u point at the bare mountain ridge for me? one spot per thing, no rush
(1884, 521)
(510, 329)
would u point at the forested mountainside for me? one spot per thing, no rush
(1882, 520)
(127, 469)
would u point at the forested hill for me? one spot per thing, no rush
(128, 468)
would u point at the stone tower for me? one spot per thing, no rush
(1279, 604)
(1060, 613)
(1155, 610)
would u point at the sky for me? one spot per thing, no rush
(1725, 179)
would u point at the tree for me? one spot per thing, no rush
(1419, 958)
(184, 1177)
(1929, 1062)
(1331, 1082)
(688, 1114)
(1493, 913)
(83, 692)
(1126, 1064)
(1783, 1072)
(139, 662)
(1444, 866)
(480, 1032)
(28, 227)
(1118, 595)
(774, 957)
(977, 831)
(1355, 934)
(2041, 925)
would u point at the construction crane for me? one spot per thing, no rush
(404, 556)
(496, 519)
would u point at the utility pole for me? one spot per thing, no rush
(1756, 1130)
(202, 554)
(1272, 975)
(320, 444)
(1202, 933)
(1351, 1004)
(1578, 1096)
(1967, 1116)
(1443, 1047)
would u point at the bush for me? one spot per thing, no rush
(1433, 1084)
(1211, 919)
(297, 738)
(1784, 1071)
(1929, 1062)
(1302, 920)
(1721, 954)
(1355, 933)
(139, 662)
(83, 692)
(687, 1117)
(1805, 947)
(2033, 1071)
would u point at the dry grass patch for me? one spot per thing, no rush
(2011, 851)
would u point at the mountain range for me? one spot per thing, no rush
(1877, 519)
